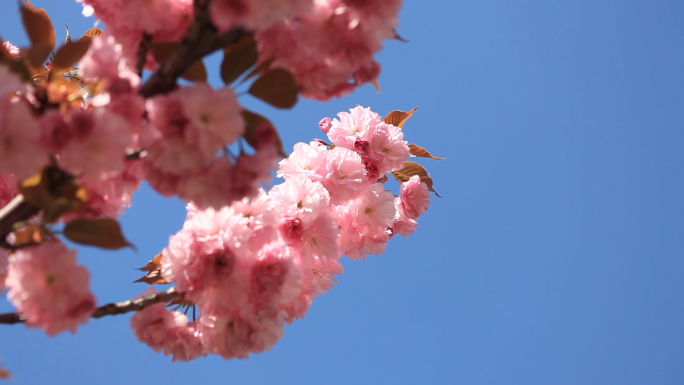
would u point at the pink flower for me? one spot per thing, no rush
(98, 144)
(403, 225)
(342, 173)
(353, 126)
(255, 14)
(414, 197)
(252, 171)
(9, 81)
(49, 289)
(325, 125)
(20, 151)
(300, 196)
(304, 159)
(210, 187)
(105, 60)
(8, 189)
(13, 49)
(214, 117)
(167, 331)
(388, 147)
(374, 208)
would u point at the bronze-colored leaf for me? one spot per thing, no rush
(30, 235)
(162, 51)
(4, 374)
(277, 88)
(38, 26)
(375, 84)
(104, 233)
(36, 55)
(420, 152)
(73, 197)
(252, 123)
(410, 169)
(237, 59)
(153, 278)
(19, 68)
(153, 269)
(196, 73)
(258, 70)
(36, 190)
(92, 33)
(68, 55)
(153, 264)
(60, 90)
(398, 118)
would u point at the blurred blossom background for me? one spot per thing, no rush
(555, 256)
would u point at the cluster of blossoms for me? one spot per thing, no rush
(328, 45)
(257, 264)
(249, 260)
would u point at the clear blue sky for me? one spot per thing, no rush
(555, 257)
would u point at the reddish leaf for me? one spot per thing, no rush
(31, 234)
(258, 70)
(410, 169)
(421, 152)
(375, 84)
(398, 118)
(153, 264)
(61, 90)
(36, 55)
(237, 59)
(38, 26)
(252, 121)
(68, 55)
(153, 268)
(36, 190)
(104, 233)
(92, 33)
(162, 51)
(277, 88)
(4, 374)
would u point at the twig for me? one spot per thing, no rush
(112, 308)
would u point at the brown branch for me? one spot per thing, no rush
(200, 40)
(112, 308)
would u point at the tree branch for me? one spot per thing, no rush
(112, 308)
(200, 40)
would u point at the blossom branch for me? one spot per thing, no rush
(200, 40)
(112, 308)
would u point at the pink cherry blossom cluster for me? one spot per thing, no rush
(257, 264)
(48, 288)
(328, 45)
(330, 49)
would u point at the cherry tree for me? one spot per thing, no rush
(82, 125)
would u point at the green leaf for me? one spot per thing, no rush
(277, 88)
(104, 233)
(420, 152)
(410, 169)
(398, 118)
(237, 59)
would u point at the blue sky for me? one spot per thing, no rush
(555, 257)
